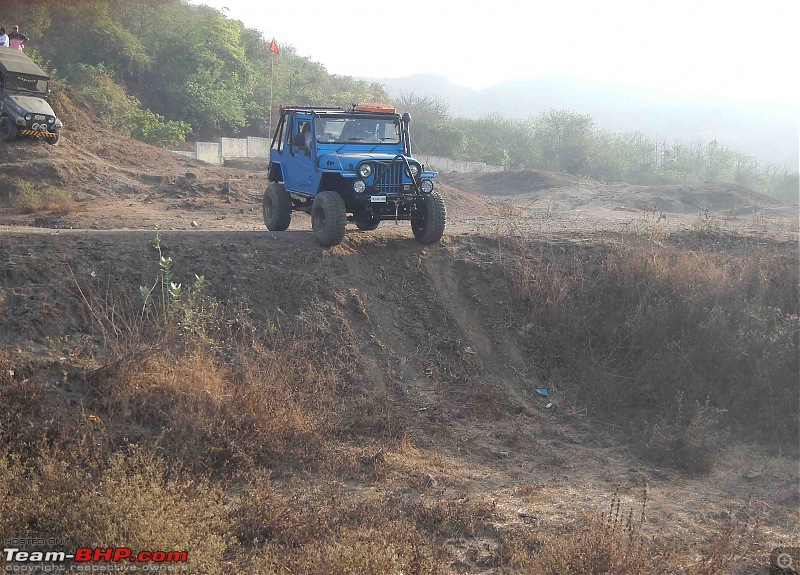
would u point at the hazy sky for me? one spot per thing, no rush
(737, 50)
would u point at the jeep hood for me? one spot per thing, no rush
(349, 160)
(32, 105)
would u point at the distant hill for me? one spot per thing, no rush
(767, 131)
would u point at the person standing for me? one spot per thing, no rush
(17, 39)
(3, 38)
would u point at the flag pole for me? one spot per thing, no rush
(271, 84)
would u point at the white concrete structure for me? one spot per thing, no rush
(231, 148)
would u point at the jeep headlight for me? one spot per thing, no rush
(28, 117)
(413, 170)
(426, 186)
(365, 170)
(359, 186)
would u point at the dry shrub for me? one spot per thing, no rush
(303, 527)
(263, 406)
(614, 542)
(690, 444)
(634, 325)
(30, 198)
(128, 501)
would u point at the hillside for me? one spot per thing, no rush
(568, 379)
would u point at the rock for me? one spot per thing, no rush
(195, 224)
(430, 480)
(191, 176)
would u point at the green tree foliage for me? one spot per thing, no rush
(123, 112)
(202, 71)
(432, 130)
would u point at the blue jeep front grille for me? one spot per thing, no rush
(389, 177)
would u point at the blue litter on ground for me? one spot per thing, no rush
(543, 392)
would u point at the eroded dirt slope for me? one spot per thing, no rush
(434, 332)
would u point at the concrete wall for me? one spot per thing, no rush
(233, 148)
(258, 147)
(230, 148)
(447, 165)
(208, 152)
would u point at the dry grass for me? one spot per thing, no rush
(129, 498)
(668, 335)
(30, 198)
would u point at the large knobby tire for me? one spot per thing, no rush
(370, 224)
(54, 140)
(8, 129)
(429, 221)
(328, 218)
(277, 208)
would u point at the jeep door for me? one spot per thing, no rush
(298, 165)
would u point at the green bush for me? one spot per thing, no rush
(123, 112)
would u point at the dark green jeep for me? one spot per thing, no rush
(23, 108)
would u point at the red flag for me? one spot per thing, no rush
(273, 46)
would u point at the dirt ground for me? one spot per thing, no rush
(407, 302)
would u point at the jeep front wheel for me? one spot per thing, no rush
(55, 138)
(8, 129)
(429, 219)
(328, 218)
(277, 208)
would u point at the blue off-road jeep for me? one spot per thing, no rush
(349, 165)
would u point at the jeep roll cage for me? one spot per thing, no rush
(371, 113)
(25, 74)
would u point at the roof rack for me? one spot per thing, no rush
(381, 108)
(310, 109)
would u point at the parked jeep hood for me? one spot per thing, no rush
(32, 104)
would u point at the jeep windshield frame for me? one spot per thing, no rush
(25, 84)
(371, 129)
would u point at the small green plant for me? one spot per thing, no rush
(167, 304)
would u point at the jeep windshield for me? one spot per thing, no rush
(362, 130)
(24, 84)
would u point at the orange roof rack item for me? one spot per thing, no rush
(376, 108)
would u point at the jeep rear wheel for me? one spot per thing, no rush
(328, 218)
(8, 129)
(370, 224)
(429, 219)
(277, 208)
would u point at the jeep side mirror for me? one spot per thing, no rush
(406, 117)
